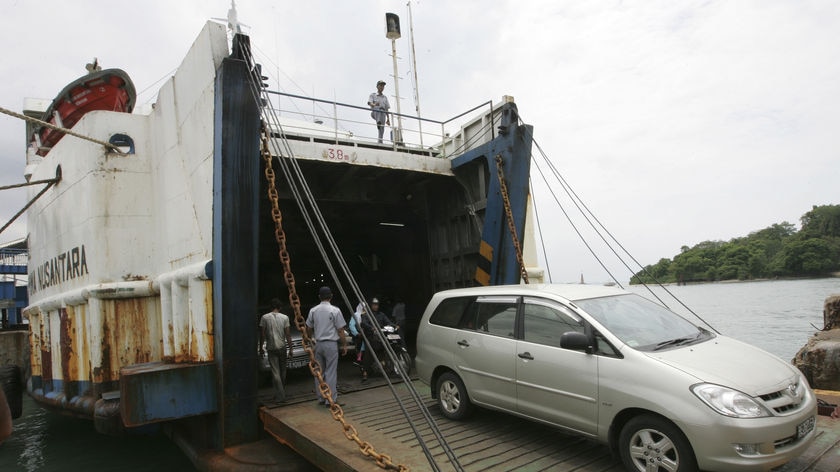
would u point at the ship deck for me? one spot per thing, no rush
(488, 441)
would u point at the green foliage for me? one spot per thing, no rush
(822, 221)
(776, 251)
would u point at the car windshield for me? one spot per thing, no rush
(641, 323)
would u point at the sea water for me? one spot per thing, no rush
(50, 442)
(776, 315)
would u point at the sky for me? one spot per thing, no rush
(674, 122)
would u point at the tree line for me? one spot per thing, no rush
(776, 251)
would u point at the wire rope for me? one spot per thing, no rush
(589, 216)
(303, 196)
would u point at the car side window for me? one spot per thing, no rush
(493, 315)
(545, 321)
(451, 311)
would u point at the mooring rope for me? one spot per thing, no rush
(30, 119)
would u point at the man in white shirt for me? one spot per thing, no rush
(275, 332)
(379, 106)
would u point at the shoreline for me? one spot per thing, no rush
(833, 275)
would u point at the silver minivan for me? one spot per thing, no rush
(599, 361)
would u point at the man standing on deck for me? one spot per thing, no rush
(379, 106)
(275, 332)
(325, 324)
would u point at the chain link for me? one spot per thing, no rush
(382, 460)
(509, 215)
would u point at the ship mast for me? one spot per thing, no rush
(414, 71)
(392, 32)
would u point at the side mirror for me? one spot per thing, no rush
(575, 341)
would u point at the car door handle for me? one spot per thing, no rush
(526, 355)
(463, 343)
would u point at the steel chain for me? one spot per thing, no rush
(382, 460)
(509, 215)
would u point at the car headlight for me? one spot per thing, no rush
(729, 402)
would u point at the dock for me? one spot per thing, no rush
(487, 441)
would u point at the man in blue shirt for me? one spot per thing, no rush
(325, 324)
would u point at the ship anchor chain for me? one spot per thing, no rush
(350, 432)
(509, 217)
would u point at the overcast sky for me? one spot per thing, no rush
(675, 122)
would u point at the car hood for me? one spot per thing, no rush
(731, 363)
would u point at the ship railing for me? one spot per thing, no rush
(344, 123)
(12, 258)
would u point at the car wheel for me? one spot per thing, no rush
(452, 397)
(649, 443)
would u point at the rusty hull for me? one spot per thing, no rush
(79, 348)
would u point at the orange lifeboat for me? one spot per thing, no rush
(109, 89)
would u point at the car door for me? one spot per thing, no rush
(485, 351)
(555, 384)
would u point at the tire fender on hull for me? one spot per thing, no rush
(12, 383)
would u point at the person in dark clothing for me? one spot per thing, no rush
(372, 335)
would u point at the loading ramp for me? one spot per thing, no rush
(487, 441)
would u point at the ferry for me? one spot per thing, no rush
(165, 232)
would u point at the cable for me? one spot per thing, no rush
(109, 146)
(304, 197)
(539, 228)
(581, 206)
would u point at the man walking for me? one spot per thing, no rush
(325, 324)
(379, 106)
(274, 331)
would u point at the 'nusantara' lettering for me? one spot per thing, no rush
(59, 269)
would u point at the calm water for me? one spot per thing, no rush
(47, 442)
(776, 316)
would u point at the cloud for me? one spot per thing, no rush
(676, 122)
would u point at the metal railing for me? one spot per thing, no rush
(343, 122)
(13, 258)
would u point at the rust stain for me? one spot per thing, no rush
(35, 345)
(133, 332)
(65, 343)
(46, 351)
(83, 344)
(97, 375)
(134, 277)
(104, 370)
(208, 308)
(201, 335)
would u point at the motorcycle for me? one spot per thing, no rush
(398, 346)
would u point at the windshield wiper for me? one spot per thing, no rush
(677, 341)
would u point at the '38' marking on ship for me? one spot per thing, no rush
(337, 154)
